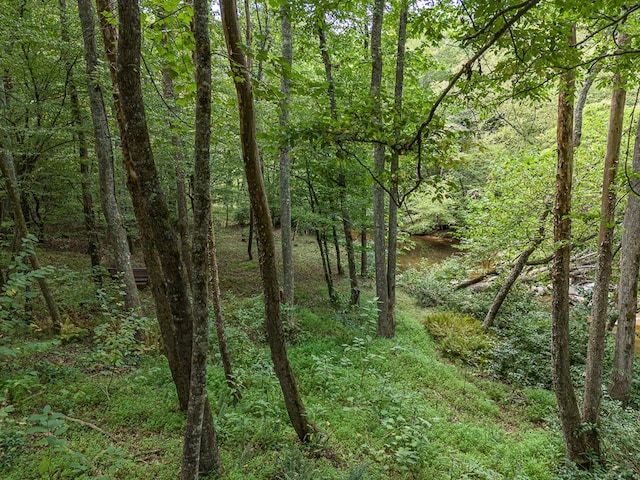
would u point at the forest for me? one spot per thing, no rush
(319, 239)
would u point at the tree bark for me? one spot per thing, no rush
(336, 247)
(582, 101)
(116, 232)
(342, 178)
(285, 168)
(181, 188)
(264, 228)
(200, 261)
(600, 301)
(622, 374)
(364, 262)
(516, 270)
(379, 225)
(394, 198)
(93, 244)
(575, 448)
(150, 204)
(214, 281)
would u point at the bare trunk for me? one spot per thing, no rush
(628, 286)
(582, 101)
(336, 246)
(364, 262)
(264, 228)
(600, 301)
(379, 225)
(342, 180)
(181, 188)
(285, 169)
(116, 233)
(149, 202)
(201, 220)
(394, 197)
(575, 448)
(218, 319)
(516, 270)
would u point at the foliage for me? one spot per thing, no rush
(118, 338)
(17, 291)
(459, 336)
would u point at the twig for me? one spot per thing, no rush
(92, 426)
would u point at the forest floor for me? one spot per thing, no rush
(100, 404)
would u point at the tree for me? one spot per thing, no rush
(264, 229)
(116, 233)
(622, 374)
(285, 166)
(83, 154)
(386, 327)
(575, 445)
(153, 214)
(600, 301)
(200, 262)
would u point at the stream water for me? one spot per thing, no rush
(428, 249)
(424, 249)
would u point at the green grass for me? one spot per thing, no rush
(383, 408)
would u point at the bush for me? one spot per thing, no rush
(459, 336)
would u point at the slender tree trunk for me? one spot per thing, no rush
(116, 233)
(336, 246)
(364, 262)
(516, 270)
(93, 247)
(600, 301)
(379, 225)
(628, 286)
(575, 447)
(394, 198)
(582, 101)
(201, 219)
(181, 188)
(218, 319)
(285, 168)
(264, 228)
(148, 198)
(342, 178)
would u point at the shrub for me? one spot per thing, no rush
(460, 336)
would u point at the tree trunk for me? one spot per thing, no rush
(285, 168)
(516, 270)
(600, 301)
(364, 262)
(116, 233)
(582, 101)
(144, 185)
(8, 169)
(394, 198)
(200, 261)
(575, 448)
(181, 188)
(179, 365)
(264, 228)
(93, 247)
(336, 246)
(379, 225)
(628, 286)
(214, 281)
(342, 178)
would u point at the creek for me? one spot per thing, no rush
(424, 249)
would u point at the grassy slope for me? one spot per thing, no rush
(390, 409)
